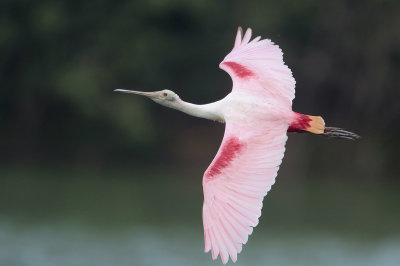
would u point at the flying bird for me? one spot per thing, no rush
(258, 115)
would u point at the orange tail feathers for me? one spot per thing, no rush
(317, 125)
(309, 123)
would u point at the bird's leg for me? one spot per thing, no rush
(336, 132)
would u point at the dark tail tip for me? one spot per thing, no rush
(335, 132)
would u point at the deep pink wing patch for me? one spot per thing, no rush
(230, 150)
(240, 70)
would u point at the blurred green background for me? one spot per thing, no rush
(91, 177)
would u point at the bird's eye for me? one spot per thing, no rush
(165, 94)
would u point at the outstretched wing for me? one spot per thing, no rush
(258, 65)
(236, 182)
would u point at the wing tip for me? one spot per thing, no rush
(247, 36)
(239, 36)
(242, 39)
(240, 30)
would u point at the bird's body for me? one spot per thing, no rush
(258, 114)
(238, 106)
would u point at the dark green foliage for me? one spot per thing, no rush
(60, 61)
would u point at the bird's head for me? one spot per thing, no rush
(165, 97)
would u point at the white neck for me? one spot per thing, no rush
(210, 111)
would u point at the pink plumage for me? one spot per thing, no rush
(258, 114)
(247, 162)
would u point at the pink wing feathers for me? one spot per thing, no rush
(248, 159)
(236, 182)
(258, 65)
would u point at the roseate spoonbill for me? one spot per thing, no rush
(258, 114)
